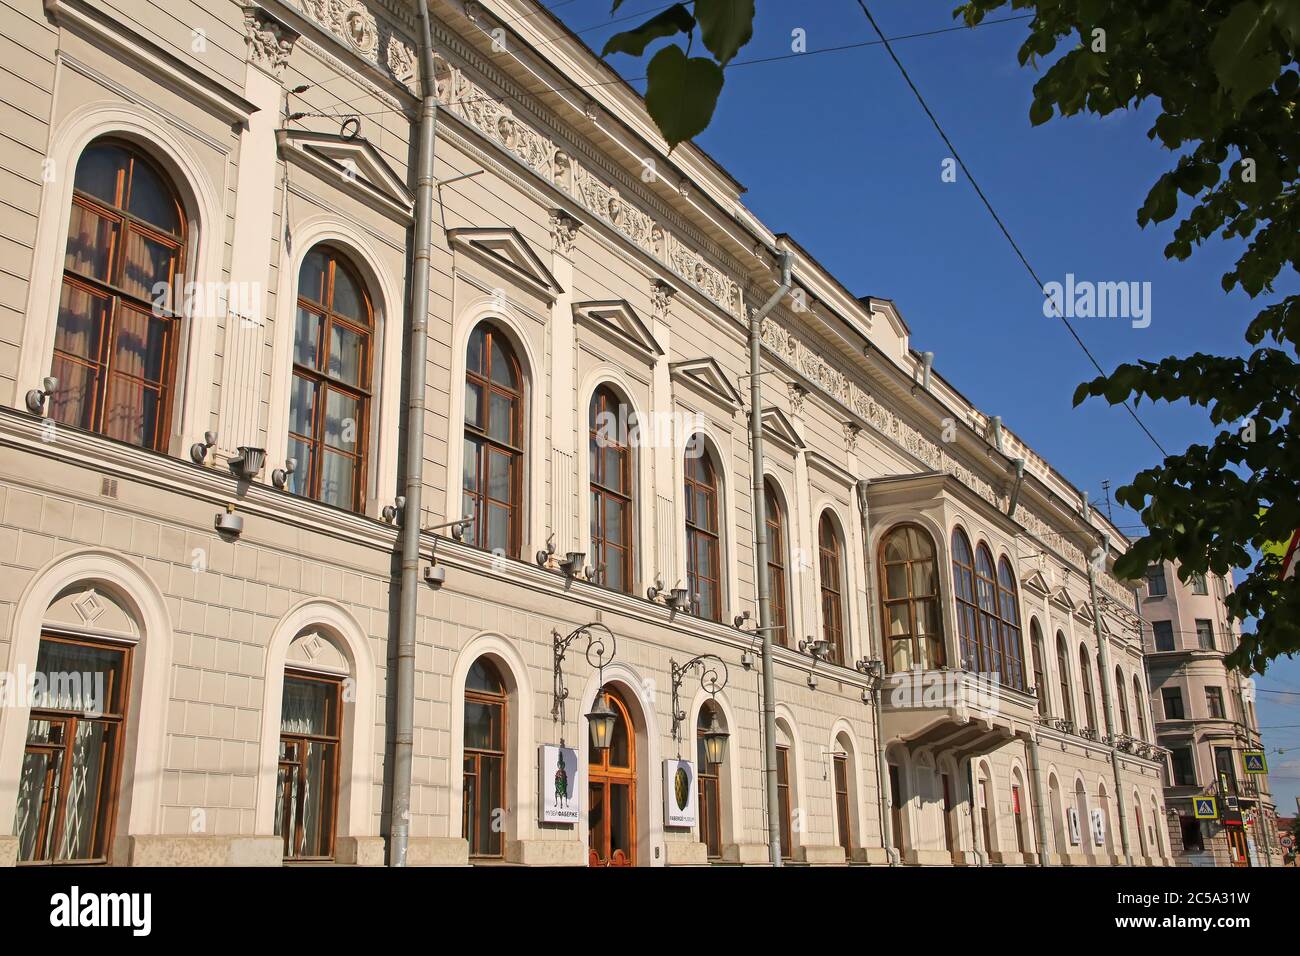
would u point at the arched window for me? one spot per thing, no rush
(986, 595)
(784, 793)
(1139, 718)
(710, 784)
(329, 406)
(963, 582)
(831, 566)
(703, 540)
(1063, 676)
(1009, 616)
(1085, 680)
(307, 781)
(68, 785)
(910, 586)
(845, 793)
(610, 452)
(483, 794)
(492, 479)
(115, 343)
(1121, 697)
(776, 565)
(1040, 673)
(611, 792)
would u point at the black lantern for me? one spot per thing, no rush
(715, 742)
(601, 722)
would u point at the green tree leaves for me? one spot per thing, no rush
(681, 90)
(1224, 75)
(682, 93)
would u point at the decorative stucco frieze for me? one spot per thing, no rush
(564, 231)
(269, 41)
(493, 118)
(366, 35)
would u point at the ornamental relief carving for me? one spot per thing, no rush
(352, 22)
(269, 43)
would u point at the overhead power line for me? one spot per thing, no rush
(996, 218)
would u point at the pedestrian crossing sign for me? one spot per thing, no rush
(1254, 761)
(1206, 808)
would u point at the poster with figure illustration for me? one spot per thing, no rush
(679, 793)
(1098, 826)
(559, 793)
(1072, 815)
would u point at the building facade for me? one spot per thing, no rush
(206, 277)
(1205, 717)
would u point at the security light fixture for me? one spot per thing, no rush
(572, 563)
(199, 450)
(280, 476)
(249, 462)
(36, 397)
(820, 649)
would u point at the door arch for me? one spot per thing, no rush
(612, 792)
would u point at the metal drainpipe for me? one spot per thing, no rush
(884, 790)
(413, 476)
(756, 317)
(1108, 707)
(1035, 768)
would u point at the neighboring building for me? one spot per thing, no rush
(1286, 838)
(1205, 717)
(240, 614)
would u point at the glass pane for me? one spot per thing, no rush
(896, 581)
(306, 338)
(38, 798)
(482, 725)
(620, 819)
(80, 678)
(498, 529)
(140, 345)
(614, 521)
(308, 707)
(923, 582)
(619, 750)
(489, 806)
(149, 269)
(91, 240)
(474, 405)
(348, 300)
(470, 468)
(501, 422)
(311, 277)
(503, 369)
(484, 677)
(613, 474)
(300, 480)
(899, 621)
(615, 559)
(338, 479)
(100, 172)
(499, 475)
(474, 353)
(347, 355)
(901, 655)
(317, 800)
(151, 199)
(342, 420)
(131, 412)
(82, 317)
(91, 757)
(302, 408)
(73, 403)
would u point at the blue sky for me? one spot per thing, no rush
(835, 150)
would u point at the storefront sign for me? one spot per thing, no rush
(679, 793)
(558, 790)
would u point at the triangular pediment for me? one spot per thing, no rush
(355, 165)
(509, 252)
(1061, 598)
(1084, 612)
(616, 318)
(705, 375)
(779, 428)
(1035, 581)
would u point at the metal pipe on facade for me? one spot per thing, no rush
(413, 466)
(1040, 801)
(760, 551)
(1108, 703)
(883, 789)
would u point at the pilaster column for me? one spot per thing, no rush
(565, 422)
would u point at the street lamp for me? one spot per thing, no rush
(715, 742)
(600, 721)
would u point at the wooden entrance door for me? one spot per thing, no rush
(611, 794)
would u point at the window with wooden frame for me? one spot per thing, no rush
(842, 804)
(68, 784)
(307, 780)
(783, 801)
(1017, 812)
(710, 788)
(1214, 702)
(776, 575)
(830, 562)
(1063, 676)
(1139, 718)
(116, 339)
(896, 807)
(1085, 680)
(483, 793)
(973, 654)
(493, 463)
(1173, 699)
(909, 585)
(990, 658)
(1040, 672)
(1121, 696)
(703, 539)
(1009, 626)
(610, 453)
(329, 404)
